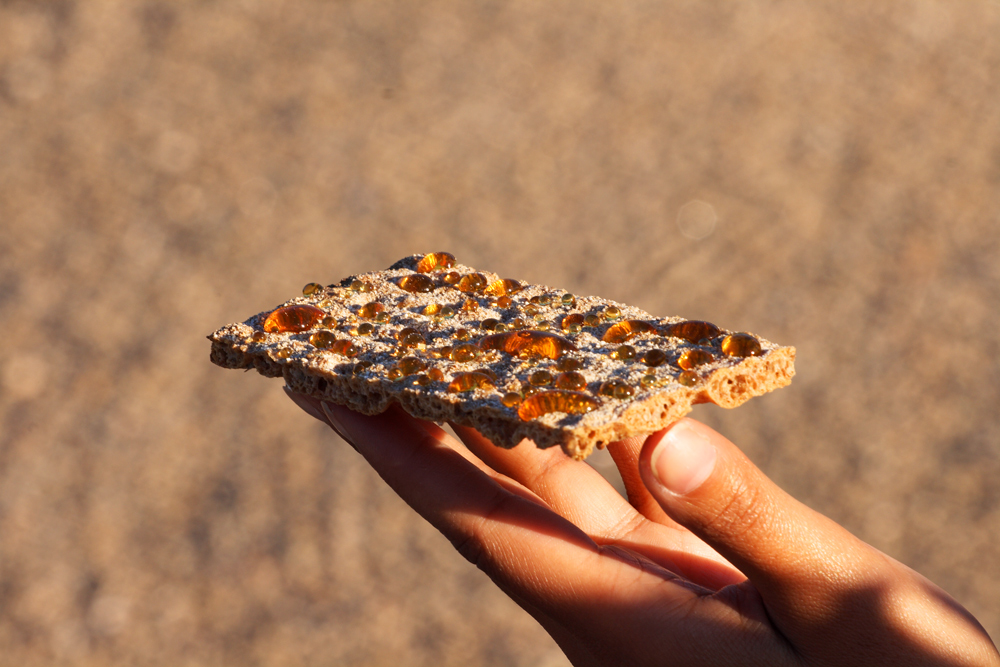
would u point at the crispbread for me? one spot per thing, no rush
(326, 356)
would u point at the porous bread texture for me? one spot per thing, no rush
(726, 381)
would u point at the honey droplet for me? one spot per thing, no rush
(415, 339)
(542, 326)
(571, 380)
(293, 319)
(556, 400)
(654, 358)
(741, 345)
(366, 329)
(612, 313)
(283, 353)
(688, 378)
(517, 323)
(452, 278)
(395, 373)
(540, 378)
(568, 300)
(416, 282)
(528, 344)
(435, 261)
(465, 353)
(311, 288)
(362, 286)
(404, 332)
(541, 300)
(370, 310)
(693, 358)
(500, 327)
(591, 320)
(411, 365)
(443, 352)
(470, 381)
(504, 287)
(435, 375)
(344, 348)
(382, 317)
(616, 389)
(569, 364)
(504, 302)
(470, 305)
(511, 399)
(623, 331)
(473, 282)
(529, 390)
(461, 334)
(329, 321)
(432, 309)
(258, 336)
(531, 310)
(571, 321)
(623, 353)
(361, 367)
(488, 373)
(651, 381)
(323, 339)
(693, 331)
(446, 313)
(422, 380)
(489, 324)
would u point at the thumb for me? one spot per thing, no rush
(800, 562)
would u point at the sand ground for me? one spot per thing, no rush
(166, 168)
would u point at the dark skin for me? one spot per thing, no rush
(706, 563)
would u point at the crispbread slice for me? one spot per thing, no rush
(349, 344)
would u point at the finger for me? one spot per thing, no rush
(625, 454)
(800, 561)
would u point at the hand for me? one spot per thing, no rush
(708, 563)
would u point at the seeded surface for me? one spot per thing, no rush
(451, 343)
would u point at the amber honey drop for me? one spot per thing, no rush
(612, 313)
(473, 282)
(258, 336)
(568, 300)
(283, 353)
(651, 381)
(461, 334)
(416, 282)
(323, 339)
(532, 310)
(741, 345)
(528, 344)
(451, 278)
(382, 317)
(470, 381)
(591, 320)
(329, 321)
(435, 375)
(623, 331)
(311, 288)
(370, 310)
(540, 378)
(518, 323)
(362, 286)
(693, 331)
(616, 389)
(470, 305)
(411, 365)
(654, 358)
(688, 378)
(415, 339)
(541, 300)
(435, 261)
(623, 353)
(293, 319)
(344, 348)
(395, 373)
(504, 302)
(504, 287)
(446, 313)
(511, 399)
(571, 380)
(556, 400)
(432, 309)
(366, 329)
(693, 358)
(465, 353)
(569, 364)
(489, 324)
(404, 332)
(571, 322)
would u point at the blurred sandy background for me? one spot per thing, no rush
(168, 167)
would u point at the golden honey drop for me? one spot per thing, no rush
(473, 282)
(361, 286)
(571, 380)
(591, 320)
(693, 358)
(382, 317)
(489, 324)
(435, 375)
(623, 353)
(556, 400)
(529, 390)
(504, 287)
(470, 381)
(293, 319)
(404, 332)
(616, 389)
(511, 399)
(451, 278)
(461, 334)
(528, 344)
(612, 313)
(416, 282)
(531, 310)
(415, 339)
(504, 302)
(443, 352)
(435, 261)
(568, 300)
(650, 381)
(361, 367)
(693, 331)
(741, 345)
(329, 321)
(517, 323)
(323, 339)
(370, 310)
(311, 288)
(470, 305)
(395, 373)
(411, 365)
(569, 364)
(283, 353)
(344, 348)
(465, 353)
(446, 313)
(366, 329)
(688, 378)
(541, 300)
(571, 322)
(654, 358)
(623, 331)
(540, 378)
(258, 336)
(432, 309)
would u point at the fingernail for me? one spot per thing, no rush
(338, 426)
(683, 460)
